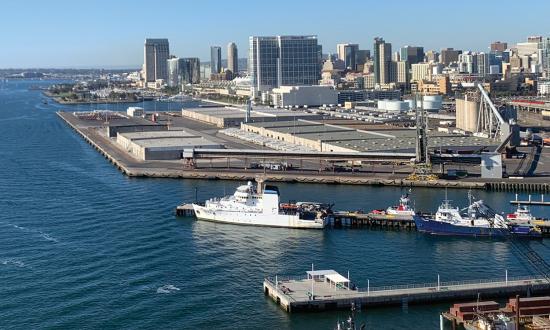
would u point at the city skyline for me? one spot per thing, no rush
(104, 38)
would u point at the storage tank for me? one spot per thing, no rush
(393, 106)
(467, 112)
(432, 103)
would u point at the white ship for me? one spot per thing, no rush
(259, 206)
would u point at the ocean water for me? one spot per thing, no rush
(82, 246)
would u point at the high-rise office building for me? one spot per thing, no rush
(215, 59)
(467, 63)
(382, 61)
(402, 72)
(498, 46)
(283, 60)
(348, 53)
(449, 55)
(232, 58)
(155, 56)
(483, 63)
(173, 69)
(412, 54)
(183, 71)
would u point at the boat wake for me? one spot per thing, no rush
(42, 234)
(169, 288)
(48, 237)
(12, 262)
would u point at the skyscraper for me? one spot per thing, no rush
(283, 60)
(412, 54)
(348, 53)
(173, 64)
(483, 63)
(402, 74)
(215, 59)
(183, 71)
(382, 61)
(156, 52)
(232, 58)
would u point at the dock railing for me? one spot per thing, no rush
(453, 283)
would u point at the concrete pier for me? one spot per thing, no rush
(319, 294)
(132, 167)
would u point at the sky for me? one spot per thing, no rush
(111, 33)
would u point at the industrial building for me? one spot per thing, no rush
(310, 96)
(233, 117)
(163, 145)
(339, 138)
(467, 113)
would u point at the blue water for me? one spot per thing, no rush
(82, 246)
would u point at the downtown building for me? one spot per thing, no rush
(183, 71)
(277, 61)
(348, 53)
(382, 62)
(156, 54)
(232, 58)
(412, 54)
(449, 55)
(215, 59)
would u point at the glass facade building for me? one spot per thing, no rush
(183, 71)
(283, 60)
(216, 59)
(412, 54)
(156, 53)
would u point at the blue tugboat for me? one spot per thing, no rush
(477, 219)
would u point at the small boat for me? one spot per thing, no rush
(403, 211)
(523, 223)
(522, 215)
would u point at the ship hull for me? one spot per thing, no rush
(427, 225)
(256, 218)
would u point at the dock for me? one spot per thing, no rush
(355, 220)
(530, 201)
(327, 290)
(185, 210)
(340, 219)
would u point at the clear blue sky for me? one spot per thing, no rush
(110, 33)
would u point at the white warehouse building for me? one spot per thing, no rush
(311, 96)
(163, 145)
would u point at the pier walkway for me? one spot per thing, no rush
(318, 293)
